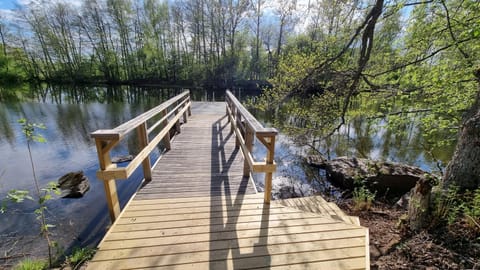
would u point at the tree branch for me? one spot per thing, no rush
(417, 3)
(399, 113)
(421, 59)
(449, 25)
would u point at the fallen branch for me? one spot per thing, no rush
(13, 256)
(473, 220)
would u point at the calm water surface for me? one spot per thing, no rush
(71, 114)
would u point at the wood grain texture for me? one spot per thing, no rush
(203, 161)
(200, 212)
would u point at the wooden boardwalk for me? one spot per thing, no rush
(200, 212)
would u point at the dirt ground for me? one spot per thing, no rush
(392, 246)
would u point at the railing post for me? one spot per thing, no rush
(108, 184)
(232, 123)
(189, 107)
(177, 124)
(143, 140)
(238, 124)
(185, 118)
(166, 139)
(268, 175)
(226, 109)
(249, 136)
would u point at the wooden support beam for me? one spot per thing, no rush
(166, 139)
(143, 141)
(246, 127)
(177, 123)
(238, 123)
(106, 139)
(268, 175)
(249, 136)
(103, 152)
(112, 199)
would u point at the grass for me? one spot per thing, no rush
(362, 198)
(79, 256)
(30, 264)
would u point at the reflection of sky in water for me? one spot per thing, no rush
(70, 148)
(358, 138)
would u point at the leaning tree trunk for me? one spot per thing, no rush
(464, 168)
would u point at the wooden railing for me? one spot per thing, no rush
(169, 113)
(246, 128)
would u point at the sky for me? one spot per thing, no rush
(7, 4)
(12, 4)
(6, 7)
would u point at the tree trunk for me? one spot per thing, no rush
(462, 171)
(419, 205)
(464, 168)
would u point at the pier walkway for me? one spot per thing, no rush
(198, 207)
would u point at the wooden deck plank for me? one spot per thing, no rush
(271, 255)
(318, 225)
(165, 224)
(199, 212)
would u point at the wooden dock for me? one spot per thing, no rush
(200, 210)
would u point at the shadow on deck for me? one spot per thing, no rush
(200, 212)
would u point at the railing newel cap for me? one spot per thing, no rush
(105, 134)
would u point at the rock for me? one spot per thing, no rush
(403, 201)
(121, 159)
(374, 252)
(382, 176)
(73, 185)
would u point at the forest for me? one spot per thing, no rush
(128, 41)
(402, 64)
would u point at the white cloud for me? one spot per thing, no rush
(300, 14)
(7, 14)
(73, 3)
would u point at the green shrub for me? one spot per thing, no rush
(79, 256)
(29, 264)
(472, 210)
(363, 198)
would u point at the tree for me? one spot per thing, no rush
(284, 11)
(432, 79)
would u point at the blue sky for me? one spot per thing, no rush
(7, 4)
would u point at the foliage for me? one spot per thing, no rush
(447, 205)
(10, 70)
(125, 40)
(29, 264)
(43, 194)
(362, 198)
(472, 210)
(420, 77)
(79, 256)
(450, 206)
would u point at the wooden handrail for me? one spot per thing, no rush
(246, 127)
(105, 139)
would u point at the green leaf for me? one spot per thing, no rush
(18, 196)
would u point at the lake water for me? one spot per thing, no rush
(71, 114)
